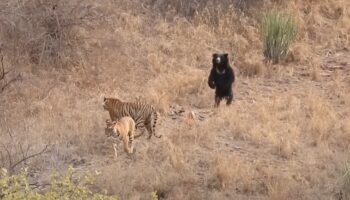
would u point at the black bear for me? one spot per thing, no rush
(221, 78)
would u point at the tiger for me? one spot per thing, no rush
(144, 115)
(124, 130)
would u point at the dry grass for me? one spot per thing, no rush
(251, 66)
(286, 136)
(231, 171)
(45, 33)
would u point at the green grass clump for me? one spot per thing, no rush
(278, 32)
(16, 187)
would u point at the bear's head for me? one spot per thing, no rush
(220, 62)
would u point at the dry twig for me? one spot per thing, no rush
(3, 73)
(12, 167)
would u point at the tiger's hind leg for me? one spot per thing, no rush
(140, 134)
(149, 129)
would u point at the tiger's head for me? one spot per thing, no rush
(112, 129)
(109, 103)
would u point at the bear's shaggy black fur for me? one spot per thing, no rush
(221, 78)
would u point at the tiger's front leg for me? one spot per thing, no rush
(131, 143)
(126, 144)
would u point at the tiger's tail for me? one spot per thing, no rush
(155, 118)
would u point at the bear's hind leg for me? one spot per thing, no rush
(217, 101)
(229, 99)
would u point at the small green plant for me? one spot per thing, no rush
(154, 195)
(16, 187)
(278, 32)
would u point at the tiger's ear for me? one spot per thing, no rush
(109, 123)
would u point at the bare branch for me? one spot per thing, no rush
(28, 157)
(24, 152)
(2, 159)
(18, 77)
(42, 52)
(2, 73)
(8, 152)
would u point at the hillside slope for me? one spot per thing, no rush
(286, 136)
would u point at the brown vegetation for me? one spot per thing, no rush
(286, 136)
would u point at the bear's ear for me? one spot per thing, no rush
(104, 98)
(226, 55)
(215, 55)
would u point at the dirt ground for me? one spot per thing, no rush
(286, 136)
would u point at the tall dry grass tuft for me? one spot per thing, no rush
(251, 66)
(232, 171)
(284, 188)
(322, 120)
(176, 85)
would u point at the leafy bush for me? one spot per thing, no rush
(61, 188)
(278, 32)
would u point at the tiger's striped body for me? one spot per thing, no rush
(142, 113)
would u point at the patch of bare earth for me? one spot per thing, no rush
(286, 136)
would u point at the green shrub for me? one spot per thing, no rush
(16, 187)
(278, 32)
